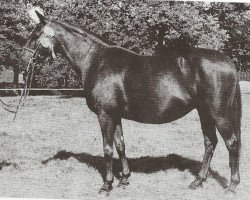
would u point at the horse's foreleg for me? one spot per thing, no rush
(210, 142)
(107, 124)
(120, 147)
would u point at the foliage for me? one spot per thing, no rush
(137, 24)
(57, 75)
(235, 19)
(140, 25)
(14, 29)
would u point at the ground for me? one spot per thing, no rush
(54, 150)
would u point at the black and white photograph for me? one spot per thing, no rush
(125, 99)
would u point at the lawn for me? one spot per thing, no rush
(54, 150)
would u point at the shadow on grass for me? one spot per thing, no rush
(7, 164)
(4, 164)
(142, 164)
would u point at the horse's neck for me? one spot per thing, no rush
(80, 52)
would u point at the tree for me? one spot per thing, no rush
(140, 25)
(57, 75)
(12, 34)
(235, 19)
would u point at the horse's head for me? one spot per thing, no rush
(42, 37)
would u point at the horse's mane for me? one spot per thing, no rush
(82, 31)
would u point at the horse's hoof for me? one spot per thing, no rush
(105, 189)
(194, 185)
(123, 183)
(230, 191)
(103, 193)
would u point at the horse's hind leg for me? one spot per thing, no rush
(233, 143)
(120, 147)
(210, 142)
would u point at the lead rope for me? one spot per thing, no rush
(27, 86)
(7, 105)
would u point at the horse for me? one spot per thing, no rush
(119, 83)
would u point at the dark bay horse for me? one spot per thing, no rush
(149, 89)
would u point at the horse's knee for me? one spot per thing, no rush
(223, 124)
(108, 151)
(210, 144)
(119, 143)
(119, 146)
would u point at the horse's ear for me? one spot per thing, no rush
(42, 19)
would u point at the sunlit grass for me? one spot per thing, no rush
(54, 150)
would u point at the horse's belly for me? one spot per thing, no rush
(176, 111)
(158, 114)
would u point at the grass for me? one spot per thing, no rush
(54, 150)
